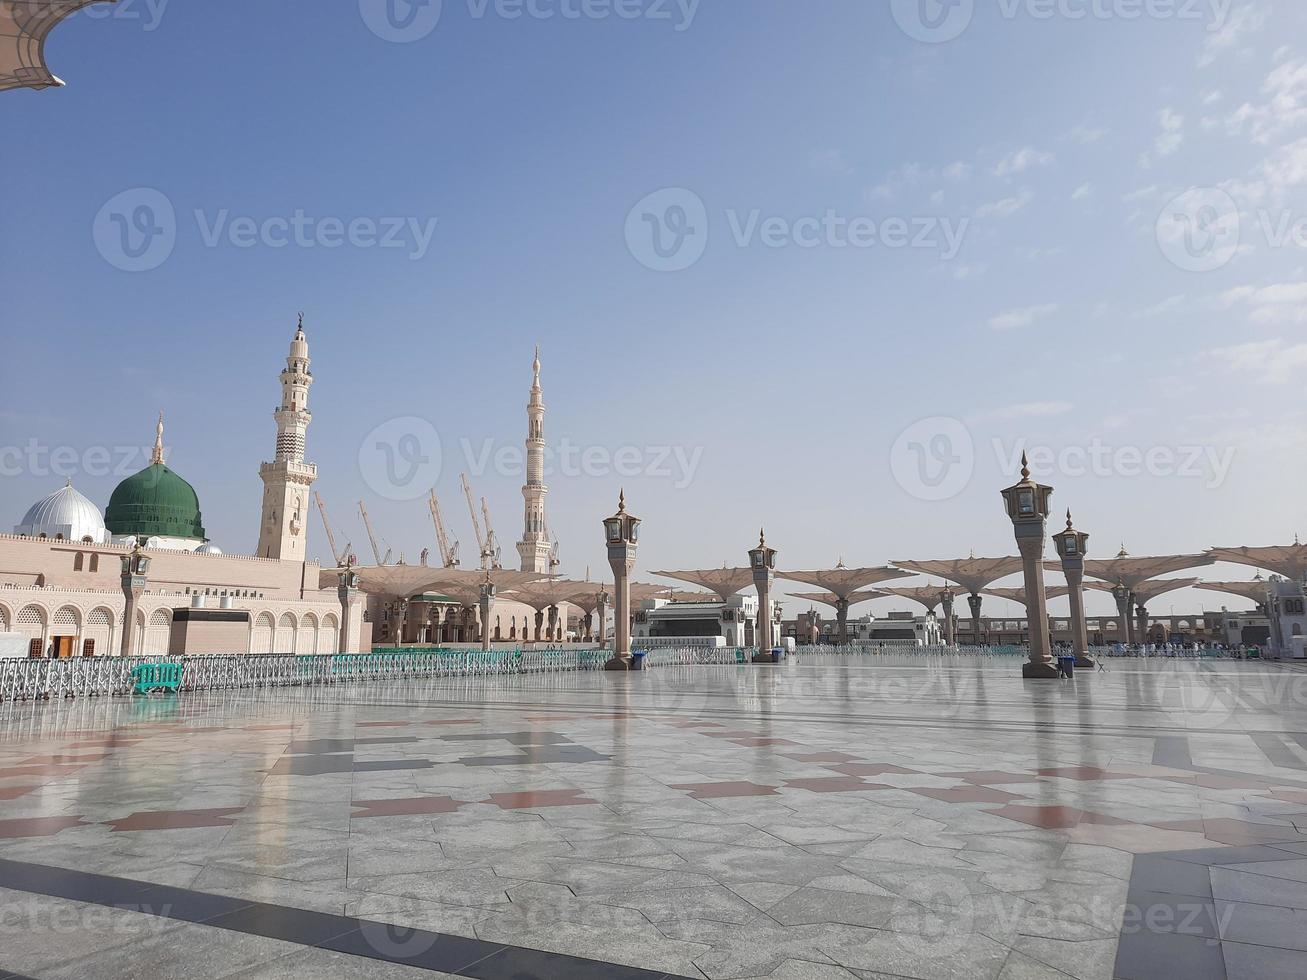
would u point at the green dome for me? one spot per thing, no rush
(155, 502)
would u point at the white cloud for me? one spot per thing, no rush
(1006, 207)
(1268, 361)
(829, 163)
(1279, 303)
(1025, 410)
(1082, 192)
(1284, 108)
(1212, 97)
(969, 271)
(957, 171)
(1288, 167)
(1141, 194)
(1024, 317)
(1242, 21)
(913, 175)
(1169, 139)
(1086, 134)
(1022, 160)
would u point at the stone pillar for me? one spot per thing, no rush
(134, 580)
(487, 603)
(1141, 629)
(763, 562)
(601, 614)
(1075, 578)
(589, 633)
(950, 638)
(842, 617)
(1123, 613)
(401, 621)
(540, 624)
(974, 601)
(1030, 541)
(350, 610)
(554, 632)
(621, 659)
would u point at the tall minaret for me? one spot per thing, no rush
(534, 546)
(286, 480)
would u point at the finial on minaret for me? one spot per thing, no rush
(1025, 467)
(157, 458)
(762, 538)
(1069, 526)
(1123, 553)
(621, 501)
(535, 367)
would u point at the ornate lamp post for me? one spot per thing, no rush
(946, 598)
(974, 601)
(136, 568)
(1122, 596)
(487, 602)
(763, 562)
(622, 533)
(347, 591)
(602, 601)
(1071, 549)
(1027, 506)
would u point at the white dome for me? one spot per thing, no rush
(64, 514)
(208, 549)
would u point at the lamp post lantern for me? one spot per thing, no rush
(1071, 545)
(487, 602)
(622, 534)
(1027, 506)
(1122, 594)
(763, 562)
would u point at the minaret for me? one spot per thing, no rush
(535, 545)
(286, 480)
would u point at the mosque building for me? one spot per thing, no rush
(62, 571)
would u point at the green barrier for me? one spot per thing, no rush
(156, 677)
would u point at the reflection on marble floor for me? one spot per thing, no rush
(864, 818)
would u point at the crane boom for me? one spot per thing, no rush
(331, 536)
(448, 553)
(476, 525)
(372, 537)
(492, 542)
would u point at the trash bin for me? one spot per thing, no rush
(777, 655)
(1067, 666)
(637, 659)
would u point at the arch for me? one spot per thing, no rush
(79, 562)
(1111, 626)
(154, 637)
(283, 638)
(329, 634)
(6, 617)
(261, 633)
(1297, 629)
(98, 630)
(306, 636)
(95, 562)
(66, 621)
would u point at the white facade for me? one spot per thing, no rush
(733, 620)
(64, 515)
(287, 479)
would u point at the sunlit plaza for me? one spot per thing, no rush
(843, 816)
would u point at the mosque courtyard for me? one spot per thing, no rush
(894, 816)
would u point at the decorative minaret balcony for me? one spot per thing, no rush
(286, 480)
(535, 548)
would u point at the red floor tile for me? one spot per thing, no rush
(1212, 781)
(1086, 773)
(834, 784)
(1290, 795)
(715, 791)
(1235, 832)
(38, 826)
(46, 770)
(817, 757)
(175, 819)
(382, 724)
(453, 721)
(965, 794)
(757, 742)
(79, 759)
(872, 769)
(406, 807)
(1054, 817)
(14, 792)
(538, 798)
(991, 777)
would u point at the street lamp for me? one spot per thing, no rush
(621, 533)
(946, 598)
(1071, 545)
(1121, 593)
(763, 562)
(1027, 506)
(136, 568)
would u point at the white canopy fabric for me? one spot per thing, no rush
(24, 26)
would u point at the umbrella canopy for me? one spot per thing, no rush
(721, 582)
(842, 581)
(929, 596)
(1289, 560)
(831, 599)
(1133, 572)
(1254, 591)
(1146, 592)
(1019, 595)
(973, 574)
(24, 26)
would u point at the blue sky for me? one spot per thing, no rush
(1163, 399)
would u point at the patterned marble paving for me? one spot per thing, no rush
(868, 819)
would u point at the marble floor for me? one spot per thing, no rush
(822, 820)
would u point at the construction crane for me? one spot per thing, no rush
(554, 561)
(492, 542)
(336, 556)
(372, 537)
(476, 524)
(448, 552)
